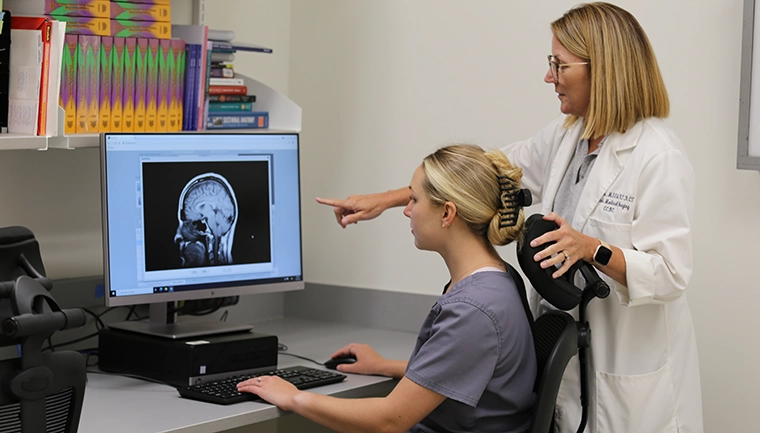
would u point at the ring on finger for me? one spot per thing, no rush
(567, 256)
(258, 381)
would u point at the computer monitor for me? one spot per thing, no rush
(198, 215)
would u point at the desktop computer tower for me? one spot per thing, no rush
(188, 361)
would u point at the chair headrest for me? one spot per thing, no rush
(561, 292)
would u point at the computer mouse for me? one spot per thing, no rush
(333, 363)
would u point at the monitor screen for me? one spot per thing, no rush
(188, 215)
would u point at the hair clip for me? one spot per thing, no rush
(512, 200)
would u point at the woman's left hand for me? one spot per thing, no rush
(273, 389)
(570, 246)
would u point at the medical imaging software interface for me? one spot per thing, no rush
(192, 211)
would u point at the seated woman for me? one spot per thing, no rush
(473, 366)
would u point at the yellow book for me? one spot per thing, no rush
(106, 48)
(179, 87)
(141, 83)
(68, 99)
(151, 78)
(92, 63)
(164, 85)
(128, 113)
(117, 85)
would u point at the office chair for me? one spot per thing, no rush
(556, 335)
(39, 392)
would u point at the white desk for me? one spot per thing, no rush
(118, 404)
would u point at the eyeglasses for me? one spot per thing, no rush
(555, 65)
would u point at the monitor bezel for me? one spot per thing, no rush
(216, 292)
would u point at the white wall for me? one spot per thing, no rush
(383, 83)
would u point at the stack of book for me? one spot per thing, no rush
(125, 18)
(229, 103)
(119, 69)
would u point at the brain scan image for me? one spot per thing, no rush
(207, 215)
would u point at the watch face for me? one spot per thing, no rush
(603, 255)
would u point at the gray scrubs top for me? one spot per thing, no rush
(476, 348)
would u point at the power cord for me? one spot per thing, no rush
(283, 350)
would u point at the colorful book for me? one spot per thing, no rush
(190, 88)
(197, 35)
(141, 83)
(117, 85)
(118, 10)
(229, 106)
(151, 96)
(179, 80)
(232, 98)
(82, 86)
(80, 8)
(206, 86)
(69, 84)
(151, 2)
(106, 59)
(120, 28)
(232, 46)
(226, 81)
(227, 120)
(221, 35)
(128, 113)
(92, 63)
(222, 72)
(227, 90)
(140, 11)
(164, 86)
(171, 91)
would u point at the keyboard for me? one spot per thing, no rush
(224, 391)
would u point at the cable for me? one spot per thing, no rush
(300, 357)
(282, 350)
(52, 346)
(134, 376)
(98, 322)
(131, 310)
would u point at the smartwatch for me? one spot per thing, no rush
(603, 254)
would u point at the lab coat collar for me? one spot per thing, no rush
(606, 169)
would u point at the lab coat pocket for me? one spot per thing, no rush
(614, 233)
(641, 403)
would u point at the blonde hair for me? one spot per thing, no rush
(626, 84)
(468, 176)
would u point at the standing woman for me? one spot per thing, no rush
(616, 180)
(474, 365)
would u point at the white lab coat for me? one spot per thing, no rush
(639, 197)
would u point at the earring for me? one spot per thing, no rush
(443, 226)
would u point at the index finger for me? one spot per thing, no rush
(334, 202)
(343, 351)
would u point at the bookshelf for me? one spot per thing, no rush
(284, 114)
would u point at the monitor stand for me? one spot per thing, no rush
(161, 324)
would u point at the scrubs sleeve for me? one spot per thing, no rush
(459, 357)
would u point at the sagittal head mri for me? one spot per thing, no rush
(207, 215)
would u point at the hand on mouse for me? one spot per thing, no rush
(367, 360)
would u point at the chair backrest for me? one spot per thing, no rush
(555, 336)
(45, 398)
(39, 392)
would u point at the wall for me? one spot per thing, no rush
(383, 83)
